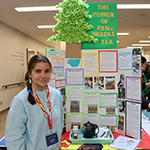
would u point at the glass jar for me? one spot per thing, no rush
(75, 132)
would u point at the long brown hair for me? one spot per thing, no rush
(33, 61)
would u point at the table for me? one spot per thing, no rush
(2, 144)
(66, 145)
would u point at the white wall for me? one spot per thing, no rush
(146, 54)
(13, 45)
(60, 45)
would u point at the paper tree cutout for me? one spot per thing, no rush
(71, 23)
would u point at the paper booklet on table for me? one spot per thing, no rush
(125, 143)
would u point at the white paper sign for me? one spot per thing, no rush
(90, 64)
(133, 88)
(133, 121)
(74, 117)
(74, 94)
(125, 61)
(91, 98)
(108, 100)
(108, 61)
(108, 120)
(74, 77)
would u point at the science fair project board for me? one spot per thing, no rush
(105, 89)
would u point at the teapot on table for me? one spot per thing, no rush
(89, 129)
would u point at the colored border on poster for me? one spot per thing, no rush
(131, 60)
(116, 61)
(109, 94)
(97, 64)
(74, 87)
(82, 77)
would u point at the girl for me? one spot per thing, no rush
(35, 118)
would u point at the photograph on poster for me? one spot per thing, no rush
(121, 106)
(74, 106)
(120, 122)
(110, 109)
(136, 61)
(99, 83)
(121, 93)
(88, 83)
(121, 87)
(110, 83)
(92, 108)
(63, 94)
(121, 81)
(136, 51)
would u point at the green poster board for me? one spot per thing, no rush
(104, 20)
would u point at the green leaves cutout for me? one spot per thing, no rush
(71, 23)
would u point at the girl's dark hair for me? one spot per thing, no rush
(143, 59)
(33, 61)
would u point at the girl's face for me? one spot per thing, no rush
(40, 75)
(144, 66)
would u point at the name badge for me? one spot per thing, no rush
(51, 139)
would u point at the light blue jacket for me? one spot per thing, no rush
(27, 126)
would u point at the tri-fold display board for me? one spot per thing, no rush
(104, 85)
(109, 97)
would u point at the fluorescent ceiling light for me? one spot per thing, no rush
(53, 8)
(129, 47)
(133, 47)
(140, 44)
(133, 6)
(144, 41)
(40, 8)
(45, 26)
(122, 33)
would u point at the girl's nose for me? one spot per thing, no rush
(43, 74)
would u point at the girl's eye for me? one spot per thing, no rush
(47, 71)
(37, 71)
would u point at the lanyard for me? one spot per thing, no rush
(49, 114)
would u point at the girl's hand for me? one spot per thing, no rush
(149, 105)
(147, 84)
